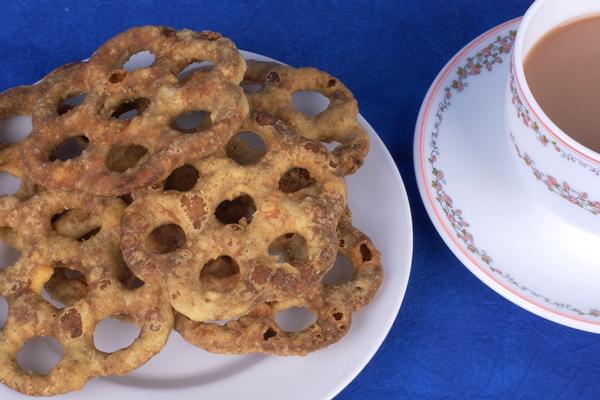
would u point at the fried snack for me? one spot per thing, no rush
(225, 234)
(118, 151)
(338, 123)
(258, 331)
(33, 227)
(20, 101)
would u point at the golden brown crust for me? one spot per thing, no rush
(159, 98)
(30, 227)
(338, 123)
(208, 224)
(213, 230)
(173, 51)
(258, 331)
(21, 101)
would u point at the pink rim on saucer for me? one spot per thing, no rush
(478, 57)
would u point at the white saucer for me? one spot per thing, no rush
(380, 208)
(479, 203)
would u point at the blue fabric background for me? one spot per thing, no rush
(454, 337)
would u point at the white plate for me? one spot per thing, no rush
(479, 202)
(380, 208)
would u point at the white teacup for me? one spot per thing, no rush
(564, 173)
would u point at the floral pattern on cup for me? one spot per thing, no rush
(524, 115)
(563, 189)
(485, 59)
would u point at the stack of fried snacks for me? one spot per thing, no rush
(172, 196)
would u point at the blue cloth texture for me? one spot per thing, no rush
(454, 337)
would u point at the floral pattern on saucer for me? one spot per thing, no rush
(485, 59)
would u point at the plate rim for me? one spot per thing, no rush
(440, 223)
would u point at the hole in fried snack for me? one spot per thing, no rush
(65, 286)
(220, 274)
(246, 148)
(249, 86)
(221, 322)
(309, 102)
(128, 279)
(3, 311)
(8, 255)
(269, 333)
(122, 158)
(127, 198)
(192, 121)
(70, 103)
(15, 129)
(365, 253)
(295, 179)
(76, 224)
(68, 274)
(331, 145)
(56, 217)
(166, 238)
(46, 295)
(340, 273)
(141, 59)
(130, 109)
(89, 234)
(194, 67)
(295, 319)
(117, 76)
(40, 354)
(182, 179)
(112, 335)
(9, 184)
(72, 274)
(337, 316)
(236, 210)
(69, 148)
(290, 248)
